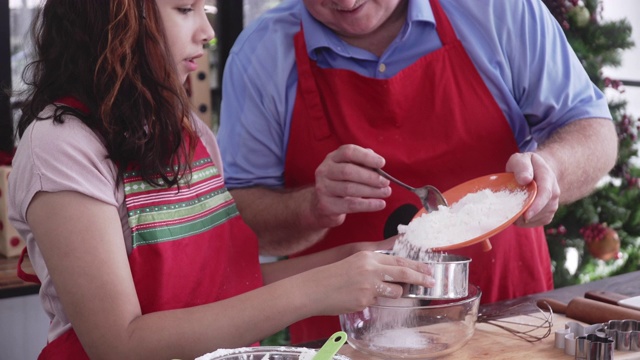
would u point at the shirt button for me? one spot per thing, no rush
(382, 68)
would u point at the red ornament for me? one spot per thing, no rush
(602, 241)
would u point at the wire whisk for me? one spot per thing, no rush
(531, 331)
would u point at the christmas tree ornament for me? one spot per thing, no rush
(602, 241)
(579, 16)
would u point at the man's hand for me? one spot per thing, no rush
(346, 184)
(531, 166)
(566, 167)
(292, 220)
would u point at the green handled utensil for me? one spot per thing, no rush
(331, 347)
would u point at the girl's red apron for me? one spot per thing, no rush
(435, 123)
(189, 247)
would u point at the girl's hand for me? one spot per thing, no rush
(354, 283)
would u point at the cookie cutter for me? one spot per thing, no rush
(626, 334)
(566, 338)
(594, 347)
(590, 342)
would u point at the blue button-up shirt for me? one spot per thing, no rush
(517, 46)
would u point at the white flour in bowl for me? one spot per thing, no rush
(474, 215)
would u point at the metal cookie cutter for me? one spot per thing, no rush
(566, 338)
(589, 342)
(626, 334)
(594, 347)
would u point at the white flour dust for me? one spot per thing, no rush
(475, 214)
(425, 341)
(400, 338)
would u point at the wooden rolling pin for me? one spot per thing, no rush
(605, 296)
(590, 311)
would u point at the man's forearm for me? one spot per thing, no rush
(281, 219)
(580, 154)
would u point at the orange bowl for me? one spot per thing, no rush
(494, 182)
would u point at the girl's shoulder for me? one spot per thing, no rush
(49, 139)
(65, 156)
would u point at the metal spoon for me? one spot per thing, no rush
(430, 197)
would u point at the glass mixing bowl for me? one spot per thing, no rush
(413, 328)
(265, 353)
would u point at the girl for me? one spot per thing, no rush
(117, 189)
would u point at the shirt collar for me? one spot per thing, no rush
(420, 10)
(317, 35)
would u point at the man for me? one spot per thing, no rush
(317, 93)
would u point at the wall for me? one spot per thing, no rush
(629, 69)
(23, 328)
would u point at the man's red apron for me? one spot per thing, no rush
(435, 123)
(189, 247)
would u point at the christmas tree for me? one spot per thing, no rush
(599, 236)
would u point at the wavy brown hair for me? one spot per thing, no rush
(111, 55)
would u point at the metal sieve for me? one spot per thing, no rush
(451, 275)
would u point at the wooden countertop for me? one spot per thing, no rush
(10, 284)
(490, 342)
(625, 284)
